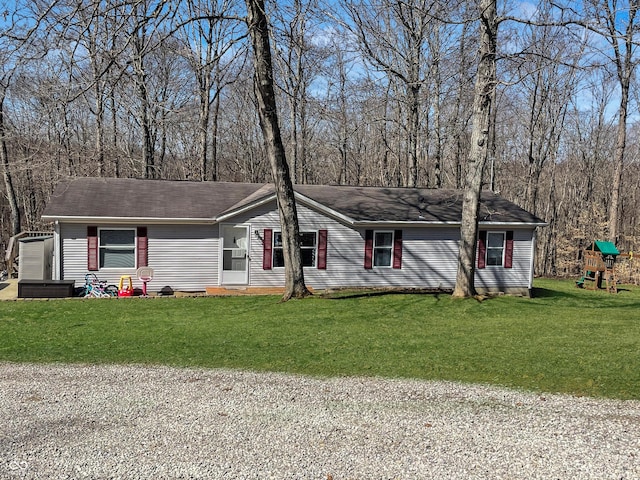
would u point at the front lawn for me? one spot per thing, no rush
(564, 340)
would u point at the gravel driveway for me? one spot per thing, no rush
(128, 422)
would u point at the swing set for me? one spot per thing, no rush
(599, 266)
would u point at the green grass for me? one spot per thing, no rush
(564, 340)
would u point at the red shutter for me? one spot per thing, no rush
(368, 249)
(322, 250)
(397, 249)
(142, 254)
(267, 249)
(482, 249)
(508, 250)
(92, 248)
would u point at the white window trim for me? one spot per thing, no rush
(504, 248)
(135, 248)
(274, 248)
(391, 247)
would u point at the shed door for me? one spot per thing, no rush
(235, 245)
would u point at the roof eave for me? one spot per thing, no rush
(324, 209)
(514, 224)
(437, 223)
(405, 223)
(245, 208)
(303, 199)
(128, 220)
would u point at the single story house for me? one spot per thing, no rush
(196, 235)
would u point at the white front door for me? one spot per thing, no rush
(235, 260)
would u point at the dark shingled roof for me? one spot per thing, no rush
(371, 204)
(134, 198)
(157, 199)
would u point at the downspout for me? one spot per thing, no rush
(57, 274)
(532, 259)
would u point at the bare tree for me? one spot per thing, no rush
(619, 22)
(547, 73)
(17, 39)
(4, 159)
(267, 111)
(460, 113)
(615, 22)
(93, 30)
(393, 37)
(299, 59)
(482, 114)
(341, 108)
(209, 40)
(146, 20)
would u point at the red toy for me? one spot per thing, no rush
(125, 290)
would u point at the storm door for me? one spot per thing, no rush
(235, 246)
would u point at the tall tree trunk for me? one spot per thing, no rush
(414, 123)
(6, 173)
(293, 99)
(100, 157)
(436, 100)
(624, 47)
(304, 139)
(621, 142)
(459, 123)
(30, 201)
(214, 139)
(437, 156)
(267, 112)
(140, 78)
(342, 102)
(482, 107)
(114, 133)
(147, 143)
(203, 126)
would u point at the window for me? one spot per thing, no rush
(308, 242)
(382, 249)
(117, 248)
(495, 248)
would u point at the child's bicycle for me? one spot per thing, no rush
(95, 288)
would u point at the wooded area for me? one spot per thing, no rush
(370, 92)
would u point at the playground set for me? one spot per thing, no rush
(599, 266)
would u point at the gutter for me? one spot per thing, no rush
(129, 220)
(532, 262)
(435, 223)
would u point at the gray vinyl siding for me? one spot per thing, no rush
(183, 257)
(429, 258)
(73, 243)
(498, 277)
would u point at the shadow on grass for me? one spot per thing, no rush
(538, 292)
(350, 294)
(623, 299)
